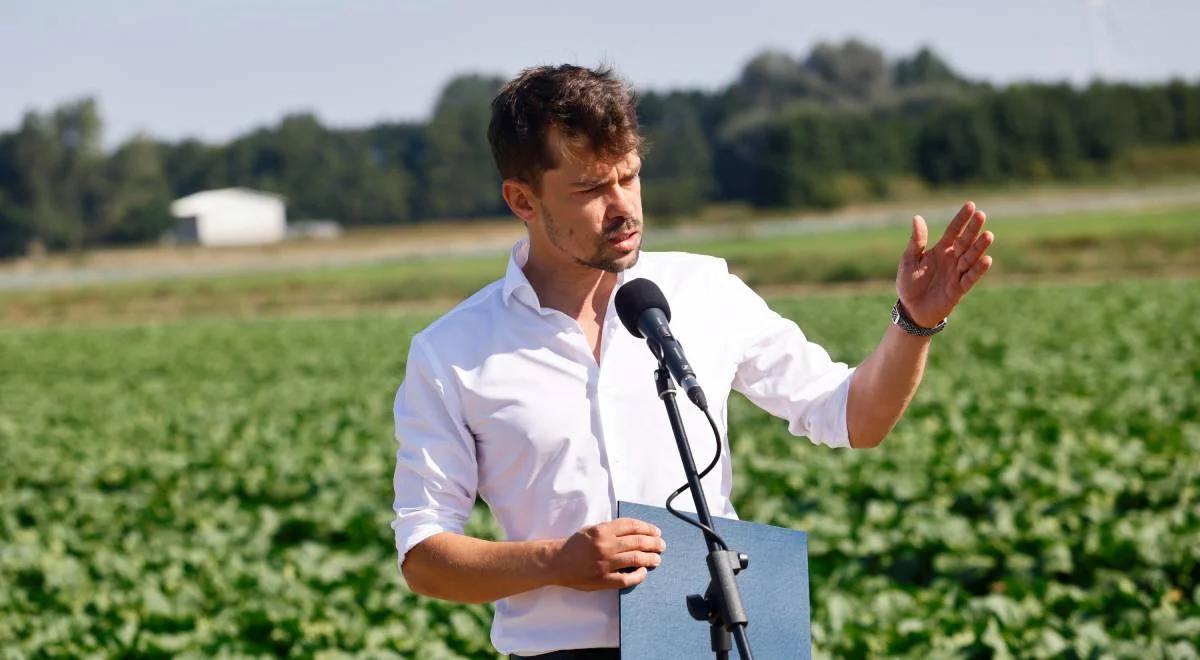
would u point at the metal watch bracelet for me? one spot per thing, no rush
(899, 318)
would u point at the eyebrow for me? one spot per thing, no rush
(589, 183)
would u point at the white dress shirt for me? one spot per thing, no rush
(503, 398)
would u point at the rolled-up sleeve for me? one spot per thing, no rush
(436, 470)
(783, 372)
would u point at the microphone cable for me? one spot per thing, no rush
(678, 491)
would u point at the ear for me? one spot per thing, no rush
(520, 199)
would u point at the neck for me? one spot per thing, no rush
(569, 287)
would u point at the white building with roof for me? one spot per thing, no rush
(230, 216)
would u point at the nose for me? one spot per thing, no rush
(622, 203)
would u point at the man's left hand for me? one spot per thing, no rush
(931, 282)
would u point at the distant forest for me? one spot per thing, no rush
(843, 123)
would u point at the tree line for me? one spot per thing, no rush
(842, 123)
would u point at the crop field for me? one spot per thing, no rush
(1082, 245)
(222, 487)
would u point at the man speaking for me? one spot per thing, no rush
(531, 395)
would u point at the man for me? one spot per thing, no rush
(531, 395)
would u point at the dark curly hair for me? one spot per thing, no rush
(591, 108)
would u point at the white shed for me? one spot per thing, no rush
(230, 216)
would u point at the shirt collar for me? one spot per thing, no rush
(516, 284)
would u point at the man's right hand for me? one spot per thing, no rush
(609, 555)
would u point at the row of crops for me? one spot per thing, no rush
(223, 488)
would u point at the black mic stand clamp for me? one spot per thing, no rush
(721, 604)
(715, 609)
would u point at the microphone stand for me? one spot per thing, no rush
(721, 604)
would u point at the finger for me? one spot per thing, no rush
(634, 560)
(620, 580)
(920, 237)
(971, 232)
(641, 542)
(972, 276)
(977, 249)
(626, 526)
(956, 225)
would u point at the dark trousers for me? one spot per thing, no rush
(574, 654)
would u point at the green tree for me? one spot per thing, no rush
(15, 226)
(1185, 106)
(678, 167)
(746, 152)
(851, 70)
(1017, 114)
(309, 164)
(781, 161)
(924, 68)
(813, 155)
(400, 145)
(299, 159)
(835, 124)
(323, 173)
(770, 81)
(192, 166)
(1059, 141)
(60, 172)
(136, 200)
(1155, 114)
(957, 143)
(399, 150)
(1106, 121)
(461, 179)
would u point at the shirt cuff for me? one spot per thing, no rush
(408, 536)
(834, 430)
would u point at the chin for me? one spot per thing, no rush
(630, 260)
(615, 264)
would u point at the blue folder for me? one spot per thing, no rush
(655, 623)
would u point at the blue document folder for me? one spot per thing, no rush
(655, 623)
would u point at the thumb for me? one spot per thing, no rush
(920, 236)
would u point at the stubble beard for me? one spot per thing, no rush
(601, 260)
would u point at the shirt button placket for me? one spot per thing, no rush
(603, 410)
(609, 458)
(578, 340)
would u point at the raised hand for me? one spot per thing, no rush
(931, 282)
(610, 555)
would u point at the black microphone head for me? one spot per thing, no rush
(635, 297)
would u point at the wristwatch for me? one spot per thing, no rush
(899, 318)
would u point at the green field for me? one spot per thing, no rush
(222, 487)
(1082, 246)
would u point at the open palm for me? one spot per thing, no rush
(931, 282)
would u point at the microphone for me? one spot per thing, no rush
(644, 312)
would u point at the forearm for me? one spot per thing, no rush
(470, 570)
(883, 385)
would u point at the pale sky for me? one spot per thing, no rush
(214, 69)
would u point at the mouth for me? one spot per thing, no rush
(625, 241)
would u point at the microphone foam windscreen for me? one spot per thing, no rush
(635, 297)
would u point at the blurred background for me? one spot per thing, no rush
(221, 223)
